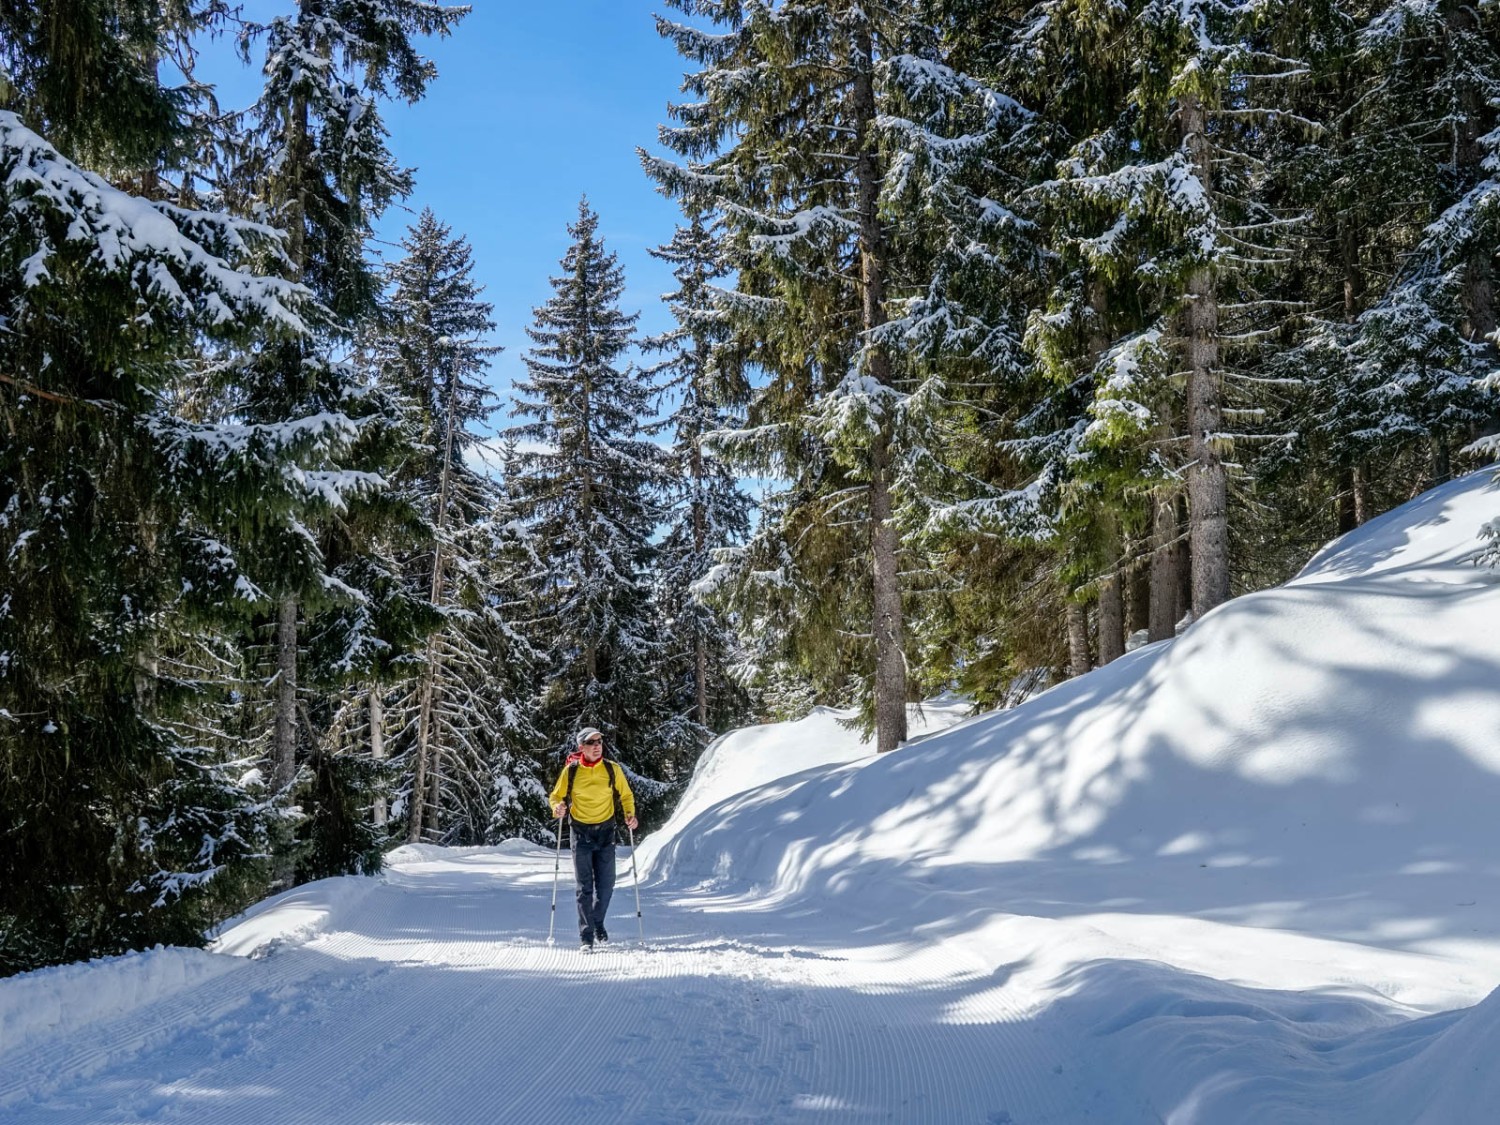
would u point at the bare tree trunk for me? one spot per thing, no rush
(1138, 590)
(1207, 479)
(1079, 663)
(1344, 501)
(890, 660)
(700, 544)
(284, 749)
(434, 826)
(425, 751)
(1442, 467)
(1182, 562)
(284, 762)
(1111, 618)
(1479, 301)
(377, 747)
(1363, 509)
(1111, 583)
(1354, 277)
(1354, 489)
(419, 783)
(1163, 568)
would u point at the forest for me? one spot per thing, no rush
(1044, 329)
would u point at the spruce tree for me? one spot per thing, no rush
(120, 821)
(708, 508)
(847, 158)
(315, 163)
(428, 350)
(584, 483)
(1422, 352)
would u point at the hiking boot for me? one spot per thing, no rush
(602, 938)
(586, 947)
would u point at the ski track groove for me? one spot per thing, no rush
(435, 1000)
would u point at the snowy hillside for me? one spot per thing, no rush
(1249, 875)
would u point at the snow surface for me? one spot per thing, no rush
(1248, 875)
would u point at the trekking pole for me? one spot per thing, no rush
(635, 880)
(556, 867)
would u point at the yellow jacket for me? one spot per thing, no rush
(592, 803)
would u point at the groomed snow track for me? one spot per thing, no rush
(434, 998)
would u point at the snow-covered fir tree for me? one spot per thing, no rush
(584, 482)
(121, 820)
(1164, 239)
(446, 715)
(708, 508)
(315, 163)
(825, 133)
(1422, 352)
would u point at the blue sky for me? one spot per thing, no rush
(534, 105)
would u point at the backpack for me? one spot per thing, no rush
(609, 768)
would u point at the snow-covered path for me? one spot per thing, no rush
(434, 997)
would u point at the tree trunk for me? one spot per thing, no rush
(1354, 492)
(1079, 663)
(426, 754)
(419, 783)
(1163, 621)
(1111, 618)
(1207, 479)
(1345, 501)
(586, 520)
(284, 760)
(377, 747)
(1138, 590)
(1363, 504)
(1354, 278)
(1111, 583)
(1442, 467)
(700, 544)
(1182, 564)
(890, 660)
(1479, 300)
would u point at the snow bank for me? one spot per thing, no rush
(63, 999)
(293, 917)
(754, 756)
(1454, 1076)
(1317, 758)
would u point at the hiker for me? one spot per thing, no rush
(594, 790)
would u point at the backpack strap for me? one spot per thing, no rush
(609, 766)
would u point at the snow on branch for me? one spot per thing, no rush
(175, 259)
(929, 82)
(1126, 375)
(1011, 512)
(815, 224)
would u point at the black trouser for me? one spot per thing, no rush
(594, 868)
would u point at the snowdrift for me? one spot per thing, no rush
(1297, 795)
(1320, 757)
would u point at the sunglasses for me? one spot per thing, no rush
(592, 741)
